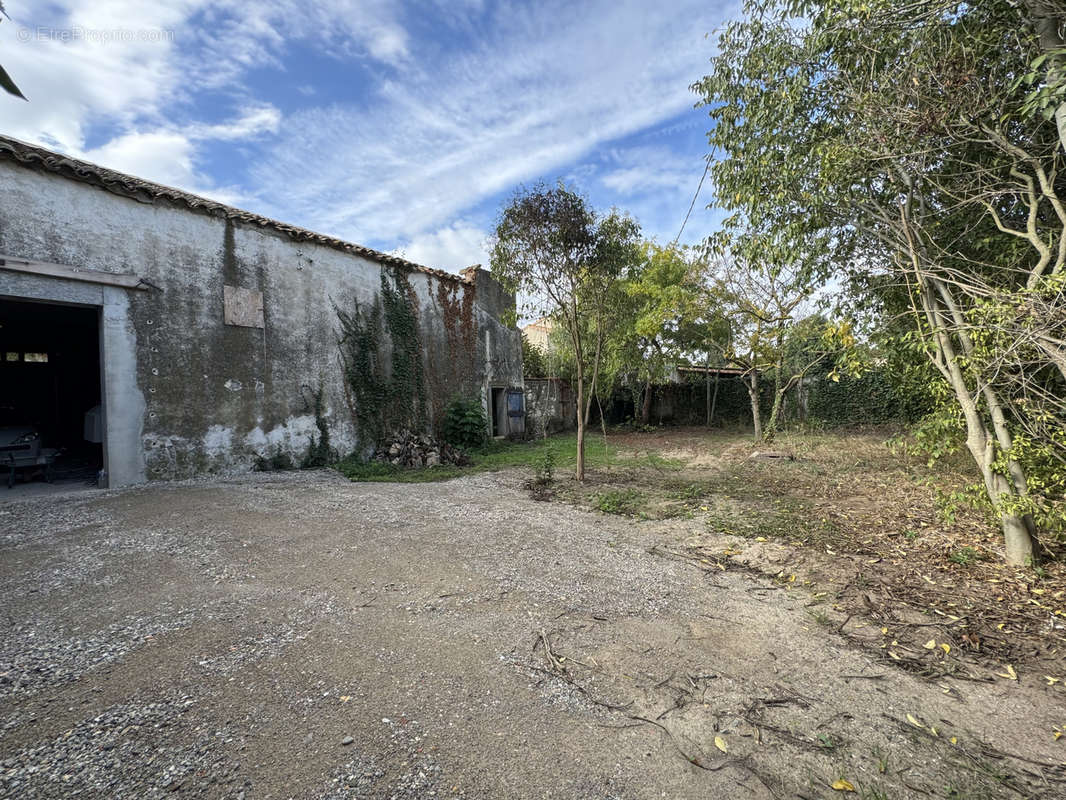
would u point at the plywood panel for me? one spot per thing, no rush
(243, 307)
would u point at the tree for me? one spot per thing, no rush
(551, 245)
(766, 297)
(903, 145)
(6, 82)
(534, 360)
(663, 292)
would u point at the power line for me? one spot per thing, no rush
(692, 205)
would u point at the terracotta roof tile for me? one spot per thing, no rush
(43, 160)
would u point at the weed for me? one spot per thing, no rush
(819, 616)
(625, 502)
(464, 424)
(964, 556)
(279, 460)
(692, 491)
(882, 760)
(539, 486)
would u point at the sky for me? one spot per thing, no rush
(402, 126)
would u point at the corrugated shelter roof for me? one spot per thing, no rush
(43, 160)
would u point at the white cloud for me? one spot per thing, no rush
(531, 91)
(637, 170)
(452, 247)
(529, 99)
(130, 65)
(253, 121)
(164, 157)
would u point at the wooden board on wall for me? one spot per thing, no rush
(243, 307)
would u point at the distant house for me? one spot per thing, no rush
(538, 332)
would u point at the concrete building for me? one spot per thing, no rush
(210, 337)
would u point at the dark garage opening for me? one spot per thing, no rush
(50, 384)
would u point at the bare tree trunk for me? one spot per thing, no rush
(714, 400)
(1047, 18)
(707, 386)
(645, 409)
(1017, 529)
(580, 406)
(752, 382)
(775, 412)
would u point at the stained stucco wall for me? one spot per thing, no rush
(200, 395)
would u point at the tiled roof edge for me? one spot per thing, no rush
(34, 157)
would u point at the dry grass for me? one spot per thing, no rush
(896, 548)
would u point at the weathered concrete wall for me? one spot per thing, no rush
(192, 394)
(549, 406)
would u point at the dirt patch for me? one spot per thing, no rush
(875, 536)
(298, 635)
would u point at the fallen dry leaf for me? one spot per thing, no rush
(1008, 673)
(719, 742)
(842, 785)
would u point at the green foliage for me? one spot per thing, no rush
(495, 455)
(544, 472)
(384, 398)
(551, 245)
(319, 451)
(407, 388)
(279, 461)
(464, 424)
(539, 486)
(625, 502)
(868, 399)
(916, 150)
(534, 360)
(964, 556)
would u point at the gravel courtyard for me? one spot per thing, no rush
(297, 635)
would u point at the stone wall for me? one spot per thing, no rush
(549, 406)
(185, 392)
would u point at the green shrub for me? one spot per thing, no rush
(464, 424)
(626, 502)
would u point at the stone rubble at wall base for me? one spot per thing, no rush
(418, 450)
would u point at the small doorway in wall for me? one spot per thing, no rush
(51, 424)
(498, 411)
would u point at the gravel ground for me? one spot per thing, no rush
(296, 635)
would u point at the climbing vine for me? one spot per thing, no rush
(452, 368)
(384, 400)
(319, 451)
(408, 380)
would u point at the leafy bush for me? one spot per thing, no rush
(534, 360)
(279, 461)
(465, 424)
(539, 486)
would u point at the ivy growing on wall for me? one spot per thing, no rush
(408, 380)
(381, 355)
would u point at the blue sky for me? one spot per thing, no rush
(401, 126)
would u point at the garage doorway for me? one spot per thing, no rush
(50, 379)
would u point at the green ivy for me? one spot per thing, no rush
(384, 401)
(319, 453)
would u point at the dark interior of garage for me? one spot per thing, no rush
(50, 382)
